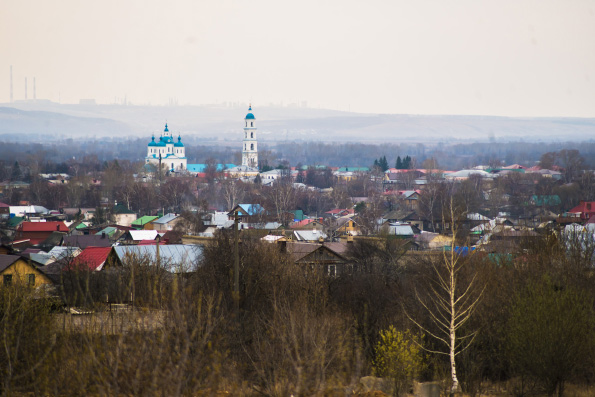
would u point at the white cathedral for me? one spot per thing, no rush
(172, 155)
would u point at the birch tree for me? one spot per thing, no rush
(450, 302)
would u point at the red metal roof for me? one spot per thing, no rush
(302, 223)
(585, 208)
(43, 227)
(91, 258)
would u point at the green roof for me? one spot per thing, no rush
(143, 220)
(121, 209)
(546, 200)
(15, 221)
(109, 231)
(298, 214)
(354, 169)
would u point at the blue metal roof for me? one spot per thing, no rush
(203, 167)
(252, 209)
(175, 258)
(166, 218)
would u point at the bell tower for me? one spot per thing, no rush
(250, 145)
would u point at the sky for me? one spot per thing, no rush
(472, 57)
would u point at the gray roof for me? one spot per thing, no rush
(401, 230)
(166, 218)
(86, 240)
(308, 235)
(7, 260)
(175, 258)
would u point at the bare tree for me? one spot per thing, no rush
(450, 303)
(233, 192)
(282, 197)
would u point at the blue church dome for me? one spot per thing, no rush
(179, 142)
(250, 116)
(152, 143)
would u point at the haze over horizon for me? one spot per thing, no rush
(507, 58)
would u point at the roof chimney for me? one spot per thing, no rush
(102, 234)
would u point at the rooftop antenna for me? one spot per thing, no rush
(11, 97)
(25, 88)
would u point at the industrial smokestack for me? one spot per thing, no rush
(34, 93)
(25, 88)
(11, 98)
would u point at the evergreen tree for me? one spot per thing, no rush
(16, 174)
(406, 163)
(383, 164)
(399, 164)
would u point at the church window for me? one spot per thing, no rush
(251, 135)
(252, 124)
(251, 146)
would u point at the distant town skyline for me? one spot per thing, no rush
(472, 57)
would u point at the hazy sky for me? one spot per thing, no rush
(511, 58)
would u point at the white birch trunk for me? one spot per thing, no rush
(453, 336)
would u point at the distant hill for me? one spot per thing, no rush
(220, 123)
(19, 123)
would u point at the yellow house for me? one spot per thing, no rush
(14, 269)
(347, 227)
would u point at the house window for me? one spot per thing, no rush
(331, 270)
(7, 279)
(31, 279)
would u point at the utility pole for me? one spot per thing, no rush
(236, 265)
(159, 167)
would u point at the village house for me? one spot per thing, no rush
(123, 216)
(165, 223)
(37, 232)
(328, 257)
(143, 222)
(14, 269)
